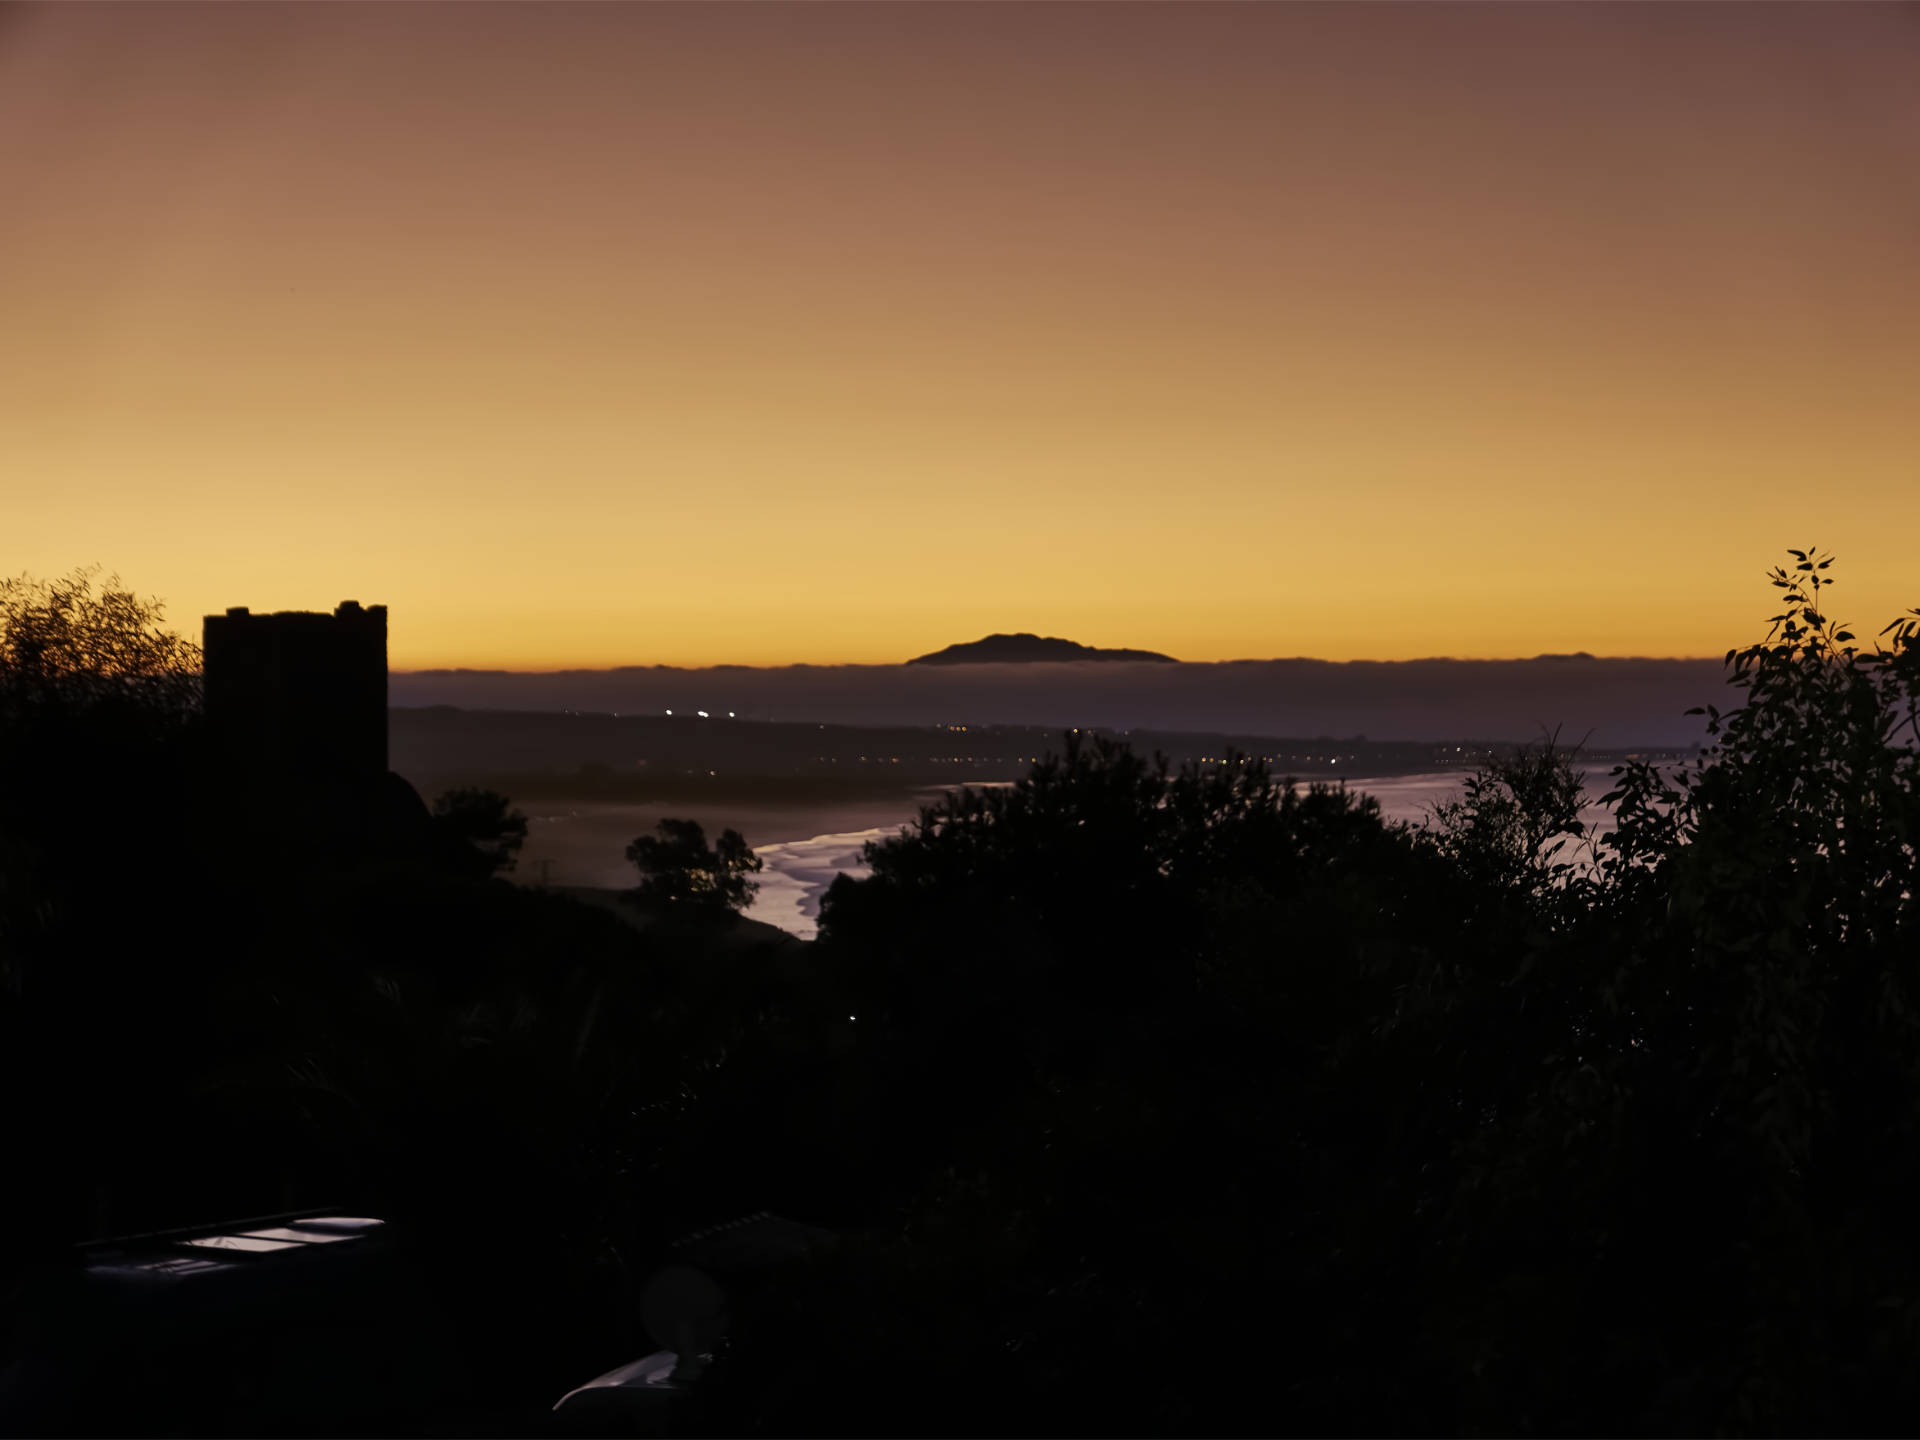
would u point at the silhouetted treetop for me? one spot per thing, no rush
(99, 707)
(487, 822)
(678, 868)
(81, 641)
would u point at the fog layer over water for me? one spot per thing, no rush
(803, 850)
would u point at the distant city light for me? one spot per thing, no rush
(701, 713)
(669, 712)
(729, 714)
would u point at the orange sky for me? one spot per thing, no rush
(684, 334)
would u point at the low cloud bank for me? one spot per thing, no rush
(1622, 702)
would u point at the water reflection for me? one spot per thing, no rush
(798, 873)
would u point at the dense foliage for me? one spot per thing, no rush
(1214, 1105)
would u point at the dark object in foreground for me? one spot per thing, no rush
(316, 1323)
(299, 1324)
(684, 1308)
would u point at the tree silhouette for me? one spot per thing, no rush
(1683, 1085)
(679, 869)
(99, 720)
(1514, 818)
(99, 709)
(487, 822)
(97, 701)
(78, 643)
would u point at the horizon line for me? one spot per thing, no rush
(1104, 665)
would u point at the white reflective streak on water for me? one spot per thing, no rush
(798, 872)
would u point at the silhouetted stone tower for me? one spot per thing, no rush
(299, 697)
(300, 694)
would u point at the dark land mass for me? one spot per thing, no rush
(1620, 703)
(1027, 649)
(546, 755)
(724, 936)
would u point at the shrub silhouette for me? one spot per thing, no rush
(487, 822)
(679, 869)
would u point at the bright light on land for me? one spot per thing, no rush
(701, 713)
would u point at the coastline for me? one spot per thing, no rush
(804, 847)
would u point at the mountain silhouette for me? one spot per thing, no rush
(1024, 649)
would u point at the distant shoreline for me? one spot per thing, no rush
(807, 792)
(1620, 701)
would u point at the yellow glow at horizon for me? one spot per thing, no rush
(694, 335)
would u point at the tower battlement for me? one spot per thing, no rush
(299, 697)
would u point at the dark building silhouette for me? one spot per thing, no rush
(296, 709)
(299, 696)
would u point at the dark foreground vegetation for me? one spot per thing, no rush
(1143, 1100)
